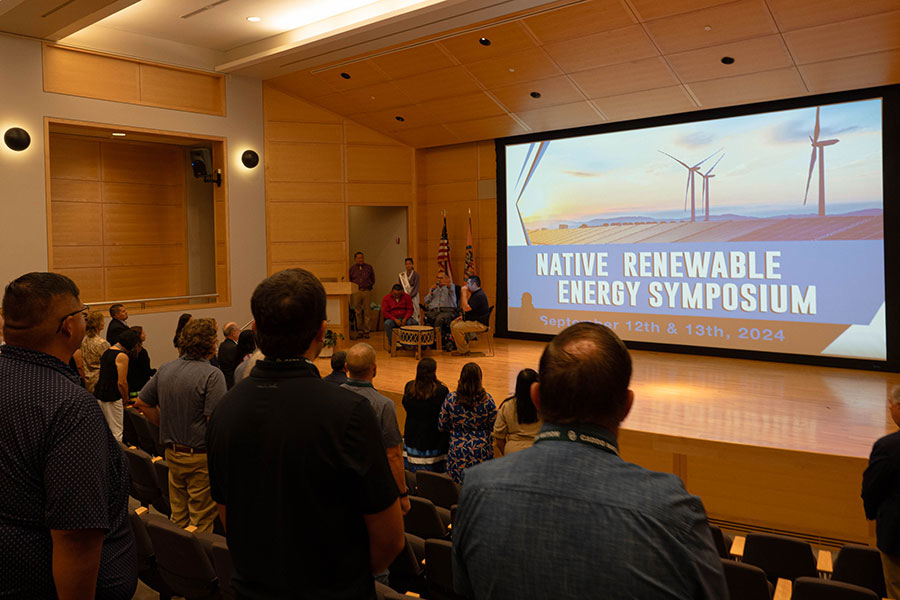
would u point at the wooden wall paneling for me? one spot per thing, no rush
(332, 270)
(182, 89)
(142, 193)
(71, 190)
(290, 131)
(283, 252)
(222, 225)
(425, 137)
(378, 163)
(282, 106)
(78, 73)
(380, 194)
(90, 282)
(450, 163)
(67, 257)
(306, 221)
(355, 133)
(146, 281)
(303, 162)
(440, 194)
(137, 224)
(142, 163)
(310, 191)
(487, 160)
(638, 447)
(143, 254)
(76, 223)
(74, 158)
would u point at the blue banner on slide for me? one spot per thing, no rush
(839, 282)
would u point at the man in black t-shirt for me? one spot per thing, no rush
(297, 465)
(474, 320)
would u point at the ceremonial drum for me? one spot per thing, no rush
(413, 335)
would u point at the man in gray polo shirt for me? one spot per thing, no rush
(180, 398)
(361, 368)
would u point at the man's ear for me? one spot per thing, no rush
(626, 407)
(320, 335)
(536, 394)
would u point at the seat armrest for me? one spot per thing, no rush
(737, 547)
(141, 511)
(824, 564)
(191, 528)
(783, 589)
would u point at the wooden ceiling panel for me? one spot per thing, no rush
(579, 20)
(463, 108)
(553, 92)
(414, 116)
(485, 129)
(412, 61)
(362, 74)
(656, 9)
(866, 35)
(662, 101)
(801, 14)
(727, 23)
(303, 84)
(744, 89)
(511, 69)
(561, 117)
(869, 70)
(506, 38)
(443, 83)
(427, 137)
(750, 56)
(602, 49)
(625, 78)
(368, 99)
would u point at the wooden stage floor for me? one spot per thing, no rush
(786, 406)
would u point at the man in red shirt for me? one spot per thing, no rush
(397, 310)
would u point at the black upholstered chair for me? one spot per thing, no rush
(439, 570)
(144, 486)
(423, 519)
(860, 565)
(148, 572)
(746, 582)
(813, 588)
(780, 556)
(182, 561)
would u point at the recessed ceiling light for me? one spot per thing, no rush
(118, 134)
(707, 28)
(254, 19)
(484, 42)
(401, 119)
(535, 94)
(345, 75)
(727, 60)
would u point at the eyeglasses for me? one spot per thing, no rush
(83, 310)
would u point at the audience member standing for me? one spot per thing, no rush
(139, 370)
(441, 305)
(468, 414)
(409, 279)
(338, 375)
(363, 275)
(112, 385)
(424, 447)
(228, 358)
(881, 498)
(568, 517)
(180, 399)
(183, 320)
(117, 324)
(291, 449)
(92, 348)
(517, 420)
(64, 505)
(397, 310)
(474, 320)
(246, 346)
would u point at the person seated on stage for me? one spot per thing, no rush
(338, 374)
(397, 309)
(474, 320)
(440, 304)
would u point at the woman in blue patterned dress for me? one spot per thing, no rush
(468, 414)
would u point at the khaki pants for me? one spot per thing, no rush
(189, 490)
(360, 301)
(891, 565)
(459, 329)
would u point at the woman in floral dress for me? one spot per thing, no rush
(468, 414)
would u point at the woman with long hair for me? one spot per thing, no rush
(92, 348)
(183, 320)
(468, 414)
(424, 447)
(517, 419)
(139, 370)
(112, 385)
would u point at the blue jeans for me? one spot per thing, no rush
(389, 325)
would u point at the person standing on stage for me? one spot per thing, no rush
(409, 279)
(363, 275)
(881, 498)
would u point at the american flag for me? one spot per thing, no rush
(443, 257)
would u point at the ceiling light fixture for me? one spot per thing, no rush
(118, 134)
(535, 95)
(727, 60)
(484, 42)
(254, 19)
(345, 75)
(401, 119)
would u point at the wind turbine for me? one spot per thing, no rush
(690, 180)
(820, 145)
(706, 177)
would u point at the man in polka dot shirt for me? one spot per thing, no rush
(64, 529)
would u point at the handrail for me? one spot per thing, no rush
(247, 324)
(144, 301)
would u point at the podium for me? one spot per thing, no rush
(337, 306)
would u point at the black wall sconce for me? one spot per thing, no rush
(250, 158)
(16, 139)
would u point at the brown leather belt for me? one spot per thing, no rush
(185, 449)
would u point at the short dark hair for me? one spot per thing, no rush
(357, 253)
(474, 279)
(128, 339)
(584, 376)
(396, 286)
(338, 360)
(246, 344)
(115, 309)
(408, 259)
(289, 308)
(27, 299)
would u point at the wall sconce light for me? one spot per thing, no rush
(17, 139)
(250, 158)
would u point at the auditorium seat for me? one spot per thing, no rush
(406, 571)
(412, 484)
(182, 561)
(780, 556)
(813, 588)
(746, 582)
(423, 519)
(721, 541)
(439, 570)
(144, 430)
(161, 468)
(148, 572)
(438, 488)
(860, 565)
(224, 567)
(144, 486)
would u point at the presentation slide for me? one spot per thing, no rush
(761, 232)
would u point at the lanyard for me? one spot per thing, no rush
(578, 435)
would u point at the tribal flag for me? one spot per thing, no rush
(470, 252)
(443, 258)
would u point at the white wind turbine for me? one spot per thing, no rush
(690, 180)
(706, 177)
(819, 145)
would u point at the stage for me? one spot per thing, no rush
(767, 446)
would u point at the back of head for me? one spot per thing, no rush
(584, 376)
(246, 344)
(338, 360)
(360, 361)
(230, 329)
(199, 338)
(289, 308)
(469, 389)
(33, 305)
(426, 379)
(525, 410)
(93, 324)
(183, 320)
(129, 339)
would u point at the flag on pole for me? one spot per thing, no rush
(443, 257)
(470, 252)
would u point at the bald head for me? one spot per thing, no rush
(231, 330)
(361, 361)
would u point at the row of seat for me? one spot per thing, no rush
(149, 479)
(137, 430)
